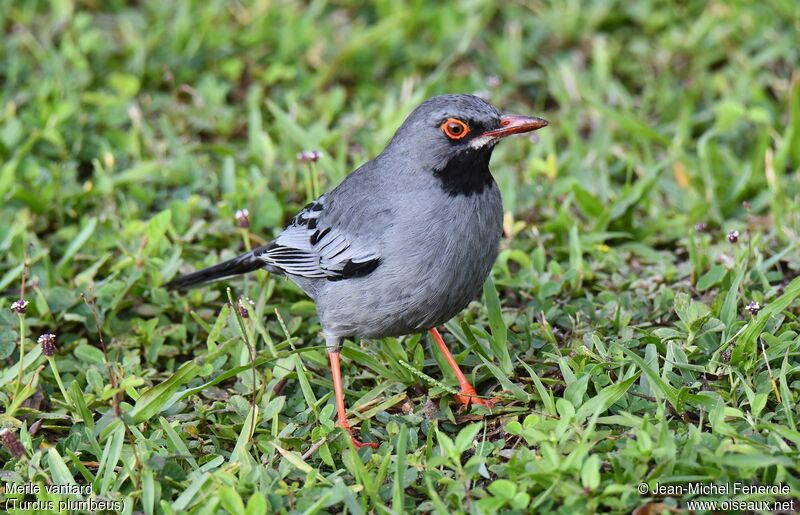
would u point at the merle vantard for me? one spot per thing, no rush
(405, 242)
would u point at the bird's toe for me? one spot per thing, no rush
(468, 396)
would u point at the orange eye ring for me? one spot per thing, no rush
(454, 128)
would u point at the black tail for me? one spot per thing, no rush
(236, 266)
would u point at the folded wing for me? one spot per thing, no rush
(311, 246)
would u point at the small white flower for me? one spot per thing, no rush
(309, 156)
(243, 218)
(20, 306)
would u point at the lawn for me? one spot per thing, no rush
(641, 325)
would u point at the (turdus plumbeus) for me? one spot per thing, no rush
(405, 242)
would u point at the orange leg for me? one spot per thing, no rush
(468, 394)
(339, 393)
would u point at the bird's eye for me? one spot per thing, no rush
(454, 128)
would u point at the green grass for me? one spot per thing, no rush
(615, 327)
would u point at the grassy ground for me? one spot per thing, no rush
(616, 327)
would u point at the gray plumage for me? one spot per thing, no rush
(406, 241)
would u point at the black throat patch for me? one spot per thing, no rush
(466, 173)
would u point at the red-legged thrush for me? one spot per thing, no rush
(406, 241)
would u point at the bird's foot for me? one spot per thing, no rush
(470, 396)
(358, 443)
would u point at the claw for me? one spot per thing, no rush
(358, 443)
(469, 396)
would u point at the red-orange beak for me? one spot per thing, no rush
(509, 124)
(515, 124)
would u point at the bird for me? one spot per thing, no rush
(405, 242)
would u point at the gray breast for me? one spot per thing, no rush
(435, 256)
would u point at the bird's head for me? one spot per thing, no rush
(452, 137)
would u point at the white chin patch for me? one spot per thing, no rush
(481, 141)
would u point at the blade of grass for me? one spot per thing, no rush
(398, 488)
(659, 385)
(499, 342)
